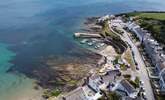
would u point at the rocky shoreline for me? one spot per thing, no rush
(61, 73)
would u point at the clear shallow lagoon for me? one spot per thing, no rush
(31, 29)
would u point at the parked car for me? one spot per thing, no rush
(141, 82)
(156, 85)
(157, 91)
(137, 68)
(136, 63)
(142, 89)
(144, 95)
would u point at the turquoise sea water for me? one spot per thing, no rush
(35, 29)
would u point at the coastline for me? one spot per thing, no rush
(108, 51)
(36, 35)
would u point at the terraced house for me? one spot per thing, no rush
(154, 51)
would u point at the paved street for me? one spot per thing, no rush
(141, 65)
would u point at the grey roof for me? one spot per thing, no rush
(129, 88)
(162, 65)
(157, 58)
(81, 93)
(163, 76)
(155, 52)
(89, 91)
(113, 72)
(131, 25)
(94, 77)
(140, 31)
(77, 94)
(110, 76)
(107, 78)
(129, 98)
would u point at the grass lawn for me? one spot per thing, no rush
(129, 58)
(111, 96)
(158, 16)
(123, 67)
(51, 93)
(127, 76)
(134, 83)
(116, 59)
(55, 93)
(113, 38)
(106, 31)
(137, 81)
(72, 82)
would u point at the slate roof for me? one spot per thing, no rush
(129, 88)
(110, 76)
(162, 65)
(94, 77)
(107, 78)
(129, 98)
(77, 94)
(140, 31)
(163, 76)
(81, 93)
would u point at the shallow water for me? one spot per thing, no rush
(34, 29)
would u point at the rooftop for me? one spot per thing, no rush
(77, 94)
(140, 31)
(129, 88)
(162, 65)
(110, 76)
(95, 77)
(81, 93)
(129, 98)
(132, 25)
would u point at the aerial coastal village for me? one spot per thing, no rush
(134, 69)
(82, 50)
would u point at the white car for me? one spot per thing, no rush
(144, 95)
(141, 82)
(156, 86)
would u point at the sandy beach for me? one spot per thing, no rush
(108, 51)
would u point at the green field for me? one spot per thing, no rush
(154, 22)
(158, 16)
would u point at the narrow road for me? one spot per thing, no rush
(142, 69)
(141, 65)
